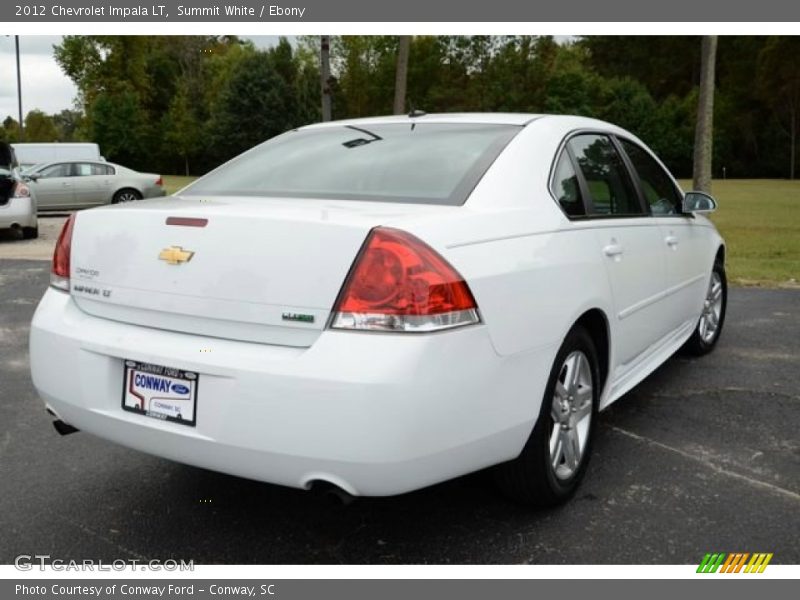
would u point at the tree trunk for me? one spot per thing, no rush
(401, 75)
(704, 130)
(186, 163)
(793, 142)
(325, 75)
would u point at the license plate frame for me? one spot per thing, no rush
(160, 392)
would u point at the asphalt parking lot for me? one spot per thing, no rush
(702, 456)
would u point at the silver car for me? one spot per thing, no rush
(17, 202)
(83, 183)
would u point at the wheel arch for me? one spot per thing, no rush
(595, 322)
(123, 188)
(720, 255)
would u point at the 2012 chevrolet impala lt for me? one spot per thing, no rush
(383, 304)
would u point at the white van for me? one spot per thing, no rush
(33, 154)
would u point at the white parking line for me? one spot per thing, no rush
(716, 468)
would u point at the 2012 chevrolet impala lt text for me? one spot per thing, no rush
(383, 304)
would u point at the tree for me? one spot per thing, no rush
(255, 105)
(779, 86)
(703, 140)
(118, 126)
(70, 125)
(11, 129)
(401, 77)
(325, 76)
(181, 129)
(39, 127)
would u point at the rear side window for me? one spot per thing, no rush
(566, 187)
(657, 187)
(610, 188)
(426, 163)
(101, 169)
(84, 169)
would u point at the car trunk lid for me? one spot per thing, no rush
(264, 270)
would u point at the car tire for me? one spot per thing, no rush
(709, 326)
(541, 476)
(30, 233)
(126, 195)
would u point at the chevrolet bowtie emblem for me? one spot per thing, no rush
(175, 255)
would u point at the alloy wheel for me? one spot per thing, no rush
(712, 310)
(571, 414)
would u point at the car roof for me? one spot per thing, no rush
(482, 118)
(62, 161)
(565, 122)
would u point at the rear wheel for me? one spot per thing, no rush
(709, 326)
(30, 233)
(554, 459)
(126, 195)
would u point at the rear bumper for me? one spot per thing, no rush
(154, 191)
(374, 414)
(18, 211)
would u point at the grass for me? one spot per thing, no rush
(759, 218)
(172, 183)
(760, 221)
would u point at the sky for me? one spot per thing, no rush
(44, 86)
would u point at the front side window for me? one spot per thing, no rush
(59, 170)
(657, 187)
(610, 189)
(417, 162)
(567, 189)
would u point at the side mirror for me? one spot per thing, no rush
(32, 176)
(698, 203)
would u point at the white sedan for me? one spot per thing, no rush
(382, 304)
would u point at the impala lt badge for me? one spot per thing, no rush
(175, 255)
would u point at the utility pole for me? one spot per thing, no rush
(19, 92)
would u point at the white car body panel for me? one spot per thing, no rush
(374, 413)
(19, 212)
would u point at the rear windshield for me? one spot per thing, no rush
(424, 163)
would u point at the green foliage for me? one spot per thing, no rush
(181, 128)
(164, 102)
(119, 126)
(255, 105)
(40, 127)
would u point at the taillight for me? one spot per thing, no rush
(59, 273)
(21, 190)
(160, 181)
(399, 283)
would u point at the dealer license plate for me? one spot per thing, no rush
(160, 392)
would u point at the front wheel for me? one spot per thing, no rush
(709, 325)
(555, 457)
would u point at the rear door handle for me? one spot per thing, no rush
(671, 241)
(613, 249)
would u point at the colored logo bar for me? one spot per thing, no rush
(734, 562)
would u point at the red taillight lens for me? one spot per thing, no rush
(59, 274)
(399, 283)
(160, 181)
